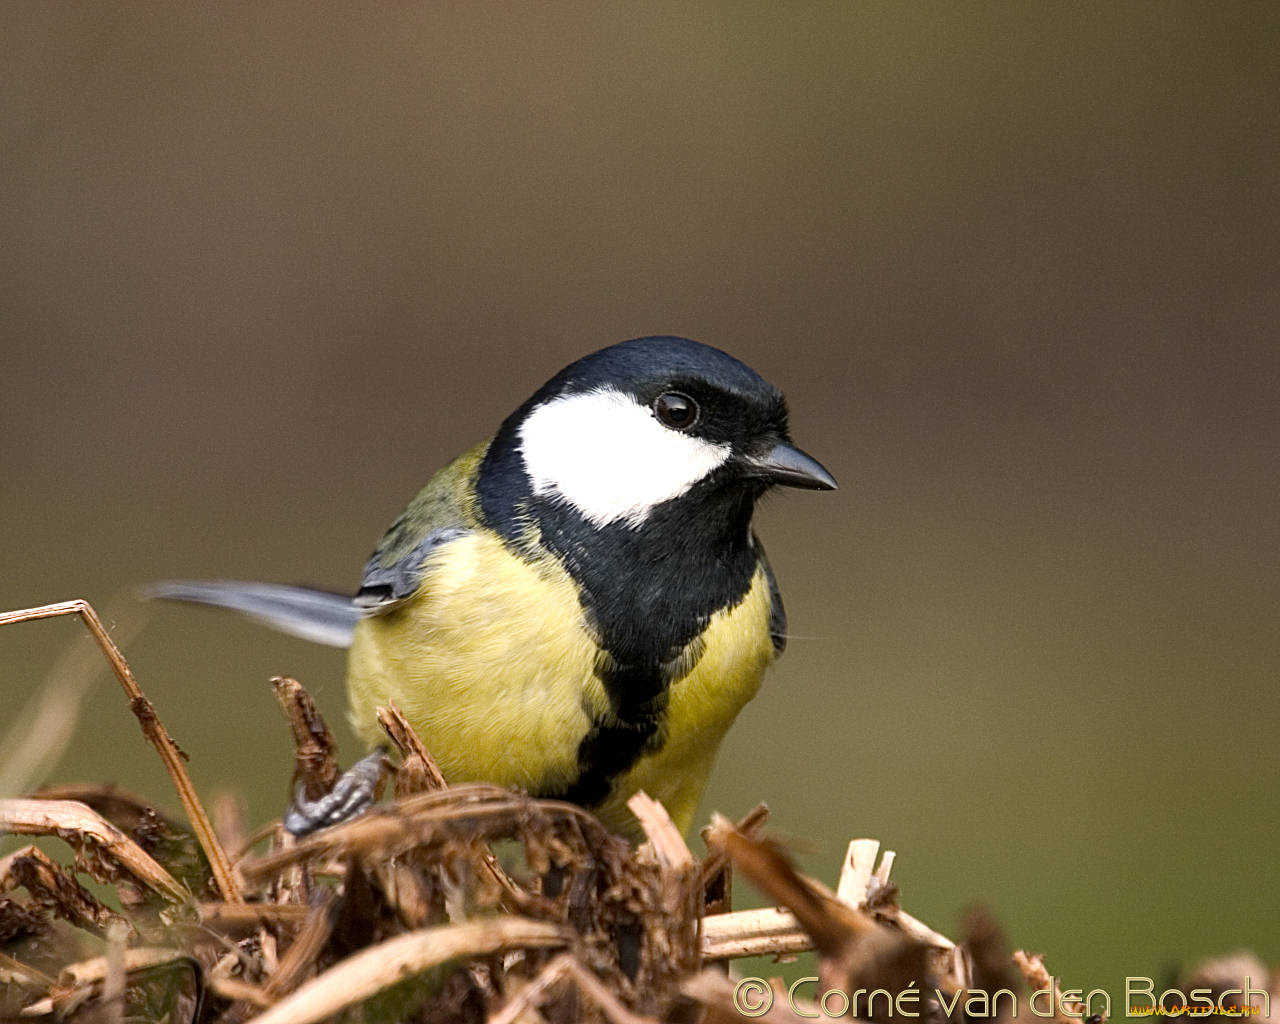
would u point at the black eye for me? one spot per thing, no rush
(674, 410)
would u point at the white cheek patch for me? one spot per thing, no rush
(609, 457)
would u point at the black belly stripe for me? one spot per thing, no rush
(638, 700)
(605, 753)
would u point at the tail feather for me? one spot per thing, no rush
(316, 615)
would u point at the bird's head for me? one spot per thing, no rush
(627, 430)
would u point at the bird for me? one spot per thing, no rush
(578, 607)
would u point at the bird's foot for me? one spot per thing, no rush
(350, 797)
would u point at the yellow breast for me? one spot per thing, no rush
(493, 663)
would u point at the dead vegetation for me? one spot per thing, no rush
(445, 904)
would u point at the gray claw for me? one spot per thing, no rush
(352, 795)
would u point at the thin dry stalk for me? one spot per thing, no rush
(234, 990)
(228, 816)
(591, 987)
(857, 871)
(40, 734)
(113, 982)
(566, 967)
(669, 845)
(828, 920)
(765, 932)
(862, 884)
(717, 872)
(78, 981)
(419, 772)
(368, 972)
(314, 748)
(749, 825)
(391, 831)
(306, 947)
(231, 917)
(153, 729)
(858, 950)
(526, 999)
(263, 832)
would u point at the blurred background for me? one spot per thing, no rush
(266, 267)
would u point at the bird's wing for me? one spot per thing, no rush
(393, 576)
(442, 512)
(316, 615)
(777, 613)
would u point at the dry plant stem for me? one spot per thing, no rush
(716, 874)
(153, 729)
(262, 832)
(314, 748)
(591, 986)
(308, 945)
(419, 772)
(916, 929)
(79, 977)
(242, 916)
(826, 919)
(229, 820)
(773, 930)
(748, 824)
(41, 732)
(113, 984)
(764, 932)
(57, 817)
(855, 877)
(55, 886)
(563, 967)
(368, 972)
(401, 733)
(659, 829)
(235, 990)
(852, 943)
(402, 825)
(526, 999)
(857, 872)
(886, 865)
(680, 896)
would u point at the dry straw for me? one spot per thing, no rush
(466, 903)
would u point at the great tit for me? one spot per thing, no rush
(578, 606)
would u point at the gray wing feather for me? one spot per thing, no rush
(439, 513)
(315, 615)
(385, 586)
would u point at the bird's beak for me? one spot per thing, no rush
(789, 466)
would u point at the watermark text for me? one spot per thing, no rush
(754, 997)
